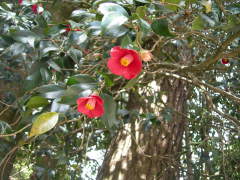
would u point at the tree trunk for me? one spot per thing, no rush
(153, 154)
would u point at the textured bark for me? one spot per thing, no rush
(138, 153)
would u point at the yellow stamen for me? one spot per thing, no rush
(126, 60)
(90, 105)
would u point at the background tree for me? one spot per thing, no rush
(179, 118)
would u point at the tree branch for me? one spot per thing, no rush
(213, 59)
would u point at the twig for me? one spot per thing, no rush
(15, 133)
(213, 59)
(200, 84)
(7, 156)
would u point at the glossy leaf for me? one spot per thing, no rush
(37, 101)
(112, 24)
(126, 42)
(108, 8)
(110, 108)
(78, 38)
(25, 37)
(58, 107)
(80, 78)
(51, 91)
(53, 65)
(172, 4)
(160, 27)
(44, 123)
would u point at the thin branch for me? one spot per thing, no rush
(15, 133)
(5, 103)
(233, 53)
(213, 59)
(226, 116)
(200, 84)
(7, 157)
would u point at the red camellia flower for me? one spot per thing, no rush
(124, 62)
(35, 8)
(225, 61)
(92, 106)
(20, 2)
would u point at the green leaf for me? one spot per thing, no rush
(80, 78)
(78, 38)
(80, 14)
(112, 24)
(131, 83)
(108, 8)
(25, 37)
(73, 93)
(33, 80)
(126, 42)
(45, 74)
(173, 4)
(53, 65)
(58, 107)
(141, 11)
(143, 1)
(110, 107)
(198, 23)
(75, 54)
(108, 79)
(95, 28)
(51, 91)
(41, 21)
(37, 101)
(81, 85)
(160, 27)
(44, 123)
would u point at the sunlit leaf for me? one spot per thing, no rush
(112, 24)
(107, 8)
(44, 123)
(198, 23)
(51, 91)
(172, 4)
(208, 5)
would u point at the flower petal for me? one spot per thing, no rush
(82, 109)
(118, 52)
(82, 99)
(115, 67)
(98, 111)
(98, 99)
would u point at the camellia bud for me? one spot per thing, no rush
(225, 61)
(145, 55)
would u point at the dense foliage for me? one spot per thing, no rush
(55, 52)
